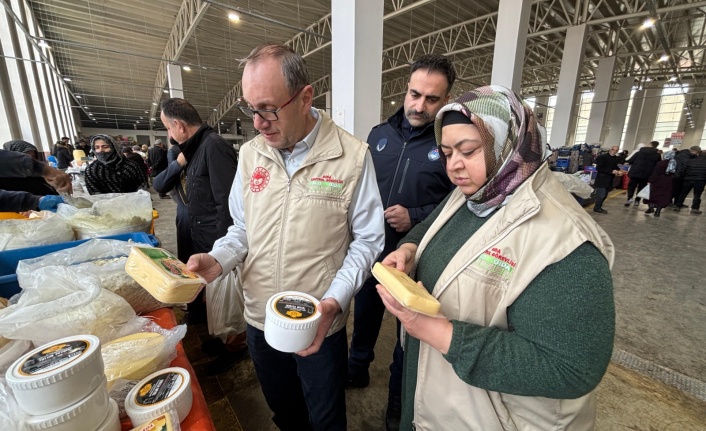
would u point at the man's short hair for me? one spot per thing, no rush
(654, 144)
(158, 142)
(180, 109)
(695, 148)
(438, 64)
(296, 75)
(127, 150)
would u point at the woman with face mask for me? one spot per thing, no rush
(111, 172)
(522, 274)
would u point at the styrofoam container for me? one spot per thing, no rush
(156, 394)
(291, 321)
(87, 414)
(57, 374)
(112, 421)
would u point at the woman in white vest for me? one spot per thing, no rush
(522, 273)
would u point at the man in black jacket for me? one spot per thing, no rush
(606, 170)
(412, 182)
(681, 158)
(209, 163)
(641, 166)
(694, 175)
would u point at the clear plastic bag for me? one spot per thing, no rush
(111, 214)
(59, 302)
(11, 416)
(106, 260)
(224, 305)
(139, 353)
(35, 232)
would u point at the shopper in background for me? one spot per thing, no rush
(111, 172)
(157, 158)
(412, 182)
(139, 161)
(660, 183)
(21, 146)
(83, 145)
(144, 150)
(622, 156)
(11, 201)
(307, 217)
(606, 170)
(682, 157)
(521, 342)
(694, 175)
(64, 154)
(208, 163)
(20, 172)
(642, 164)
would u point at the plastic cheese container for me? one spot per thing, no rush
(291, 321)
(405, 290)
(161, 423)
(57, 374)
(163, 275)
(156, 394)
(87, 414)
(112, 422)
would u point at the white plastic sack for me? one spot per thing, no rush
(224, 305)
(11, 416)
(31, 233)
(644, 193)
(574, 185)
(58, 302)
(111, 214)
(103, 258)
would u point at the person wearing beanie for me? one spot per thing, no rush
(521, 341)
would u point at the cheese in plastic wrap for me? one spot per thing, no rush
(163, 275)
(134, 357)
(406, 291)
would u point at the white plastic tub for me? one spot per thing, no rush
(291, 321)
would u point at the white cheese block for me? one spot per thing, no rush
(134, 357)
(405, 290)
(163, 275)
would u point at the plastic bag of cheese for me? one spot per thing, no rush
(59, 302)
(103, 258)
(111, 214)
(34, 232)
(163, 275)
(136, 355)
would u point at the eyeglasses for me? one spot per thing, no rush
(266, 114)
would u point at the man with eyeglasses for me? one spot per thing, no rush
(307, 217)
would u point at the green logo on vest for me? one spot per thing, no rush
(325, 185)
(495, 263)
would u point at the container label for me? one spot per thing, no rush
(54, 357)
(168, 262)
(295, 307)
(158, 389)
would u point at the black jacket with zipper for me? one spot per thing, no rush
(409, 172)
(210, 171)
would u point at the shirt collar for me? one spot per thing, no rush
(311, 137)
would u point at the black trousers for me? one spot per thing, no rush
(698, 187)
(636, 184)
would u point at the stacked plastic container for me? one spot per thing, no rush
(62, 387)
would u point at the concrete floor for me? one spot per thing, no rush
(655, 383)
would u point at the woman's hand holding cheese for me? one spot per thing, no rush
(402, 259)
(434, 331)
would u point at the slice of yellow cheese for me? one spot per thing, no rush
(405, 290)
(161, 423)
(134, 357)
(163, 275)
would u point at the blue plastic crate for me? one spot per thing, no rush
(10, 258)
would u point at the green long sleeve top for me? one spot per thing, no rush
(561, 327)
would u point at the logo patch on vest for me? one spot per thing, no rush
(493, 261)
(325, 185)
(382, 143)
(259, 179)
(433, 155)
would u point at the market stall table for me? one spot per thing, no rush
(199, 418)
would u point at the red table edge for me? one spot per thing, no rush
(199, 418)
